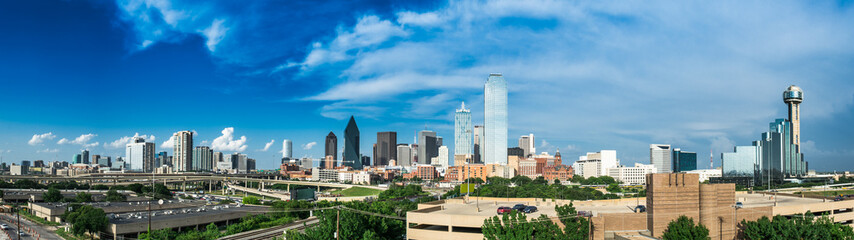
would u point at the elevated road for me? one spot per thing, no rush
(130, 178)
(272, 232)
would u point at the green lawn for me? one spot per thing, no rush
(358, 192)
(831, 193)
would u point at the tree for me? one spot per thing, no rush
(806, 226)
(396, 191)
(684, 228)
(52, 195)
(613, 187)
(85, 218)
(251, 200)
(511, 226)
(115, 196)
(83, 197)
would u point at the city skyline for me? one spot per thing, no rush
(724, 94)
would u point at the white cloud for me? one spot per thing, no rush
(226, 142)
(214, 33)
(204, 143)
(123, 141)
(308, 146)
(268, 145)
(48, 150)
(82, 140)
(369, 31)
(168, 143)
(40, 138)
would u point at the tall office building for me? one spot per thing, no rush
(683, 161)
(428, 146)
(140, 155)
(85, 155)
(404, 155)
(659, 156)
(478, 142)
(78, 158)
(216, 159)
(462, 131)
(160, 160)
(332, 148)
(287, 149)
(95, 158)
(183, 151)
(442, 159)
(352, 158)
(526, 143)
(779, 157)
(386, 148)
(793, 96)
(495, 119)
(202, 159)
(739, 163)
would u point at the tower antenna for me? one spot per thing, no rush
(711, 159)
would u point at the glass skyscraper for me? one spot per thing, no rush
(684, 161)
(495, 119)
(352, 158)
(740, 163)
(462, 131)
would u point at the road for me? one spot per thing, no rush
(272, 232)
(32, 230)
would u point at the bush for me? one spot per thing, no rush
(684, 228)
(251, 200)
(52, 195)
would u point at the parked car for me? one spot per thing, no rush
(585, 214)
(519, 207)
(4, 226)
(640, 208)
(529, 209)
(739, 205)
(503, 210)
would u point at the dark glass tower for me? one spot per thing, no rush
(352, 158)
(684, 161)
(332, 146)
(386, 148)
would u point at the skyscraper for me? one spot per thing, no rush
(85, 155)
(793, 96)
(140, 155)
(683, 161)
(526, 143)
(659, 156)
(160, 159)
(183, 151)
(404, 155)
(386, 148)
(462, 131)
(352, 158)
(428, 146)
(287, 149)
(495, 119)
(202, 159)
(332, 149)
(442, 159)
(478, 146)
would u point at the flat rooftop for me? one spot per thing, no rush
(489, 208)
(193, 212)
(767, 200)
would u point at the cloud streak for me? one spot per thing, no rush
(40, 138)
(226, 141)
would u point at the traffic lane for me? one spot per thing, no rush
(29, 228)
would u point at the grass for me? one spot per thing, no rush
(832, 193)
(358, 192)
(66, 235)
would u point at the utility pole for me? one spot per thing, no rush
(337, 224)
(19, 222)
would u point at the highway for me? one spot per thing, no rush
(30, 230)
(272, 232)
(130, 178)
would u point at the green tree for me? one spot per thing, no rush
(251, 200)
(613, 187)
(114, 196)
(52, 195)
(684, 228)
(85, 218)
(83, 197)
(396, 191)
(806, 226)
(511, 226)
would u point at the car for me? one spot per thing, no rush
(4, 226)
(640, 208)
(739, 205)
(585, 214)
(529, 209)
(519, 207)
(503, 210)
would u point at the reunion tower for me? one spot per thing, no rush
(793, 96)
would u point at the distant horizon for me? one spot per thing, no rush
(581, 77)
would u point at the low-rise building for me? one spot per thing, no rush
(705, 174)
(559, 172)
(632, 175)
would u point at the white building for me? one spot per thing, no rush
(705, 174)
(345, 177)
(660, 156)
(495, 119)
(182, 151)
(140, 155)
(462, 131)
(362, 178)
(632, 175)
(442, 159)
(404, 155)
(324, 175)
(596, 164)
(526, 143)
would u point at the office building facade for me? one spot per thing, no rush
(183, 151)
(287, 148)
(331, 147)
(404, 155)
(203, 159)
(352, 158)
(683, 161)
(386, 148)
(495, 119)
(660, 157)
(140, 155)
(462, 131)
(526, 143)
(428, 147)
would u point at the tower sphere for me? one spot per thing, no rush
(793, 94)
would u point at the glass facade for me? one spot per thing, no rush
(659, 156)
(740, 163)
(462, 131)
(495, 119)
(352, 158)
(684, 161)
(779, 157)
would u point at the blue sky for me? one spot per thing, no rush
(583, 76)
